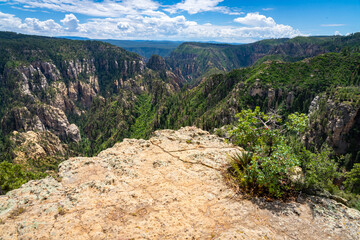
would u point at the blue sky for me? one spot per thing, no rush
(185, 20)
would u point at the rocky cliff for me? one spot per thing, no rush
(195, 60)
(168, 187)
(335, 120)
(51, 85)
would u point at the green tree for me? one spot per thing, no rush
(12, 176)
(353, 179)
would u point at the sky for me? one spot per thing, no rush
(232, 21)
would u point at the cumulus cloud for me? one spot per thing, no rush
(257, 20)
(152, 24)
(9, 21)
(70, 22)
(144, 19)
(35, 25)
(197, 6)
(337, 33)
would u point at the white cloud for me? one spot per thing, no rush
(333, 25)
(256, 20)
(35, 25)
(236, 13)
(143, 19)
(70, 22)
(23, 9)
(268, 9)
(197, 6)
(107, 8)
(8, 21)
(337, 33)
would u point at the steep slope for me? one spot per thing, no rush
(289, 87)
(169, 187)
(196, 60)
(335, 119)
(54, 85)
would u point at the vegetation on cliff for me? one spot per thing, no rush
(90, 95)
(196, 60)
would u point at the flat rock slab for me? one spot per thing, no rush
(168, 187)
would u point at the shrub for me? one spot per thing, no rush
(352, 181)
(12, 176)
(320, 170)
(266, 167)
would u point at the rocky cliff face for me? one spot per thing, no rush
(168, 187)
(156, 63)
(50, 85)
(195, 60)
(37, 146)
(335, 120)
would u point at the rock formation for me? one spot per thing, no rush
(156, 63)
(335, 122)
(168, 187)
(36, 146)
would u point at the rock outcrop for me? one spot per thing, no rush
(39, 118)
(168, 187)
(36, 146)
(56, 120)
(334, 122)
(156, 63)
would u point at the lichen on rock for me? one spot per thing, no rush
(168, 187)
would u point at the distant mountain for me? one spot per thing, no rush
(198, 60)
(146, 48)
(74, 38)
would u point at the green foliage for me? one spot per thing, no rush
(146, 48)
(319, 168)
(195, 60)
(12, 176)
(274, 151)
(267, 165)
(352, 182)
(145, 113)
(294, 85)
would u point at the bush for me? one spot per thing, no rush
(269, 160)
(320, 170)
(12, 176)
(352, 182)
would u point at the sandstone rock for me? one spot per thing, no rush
(168, 187)
(46, 117)
(21, 119)
(333, 124)
(56, 120)
(290, 99)
(36, 145)
(156, 62)
(256, 89)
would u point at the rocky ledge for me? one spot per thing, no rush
(168, 187)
